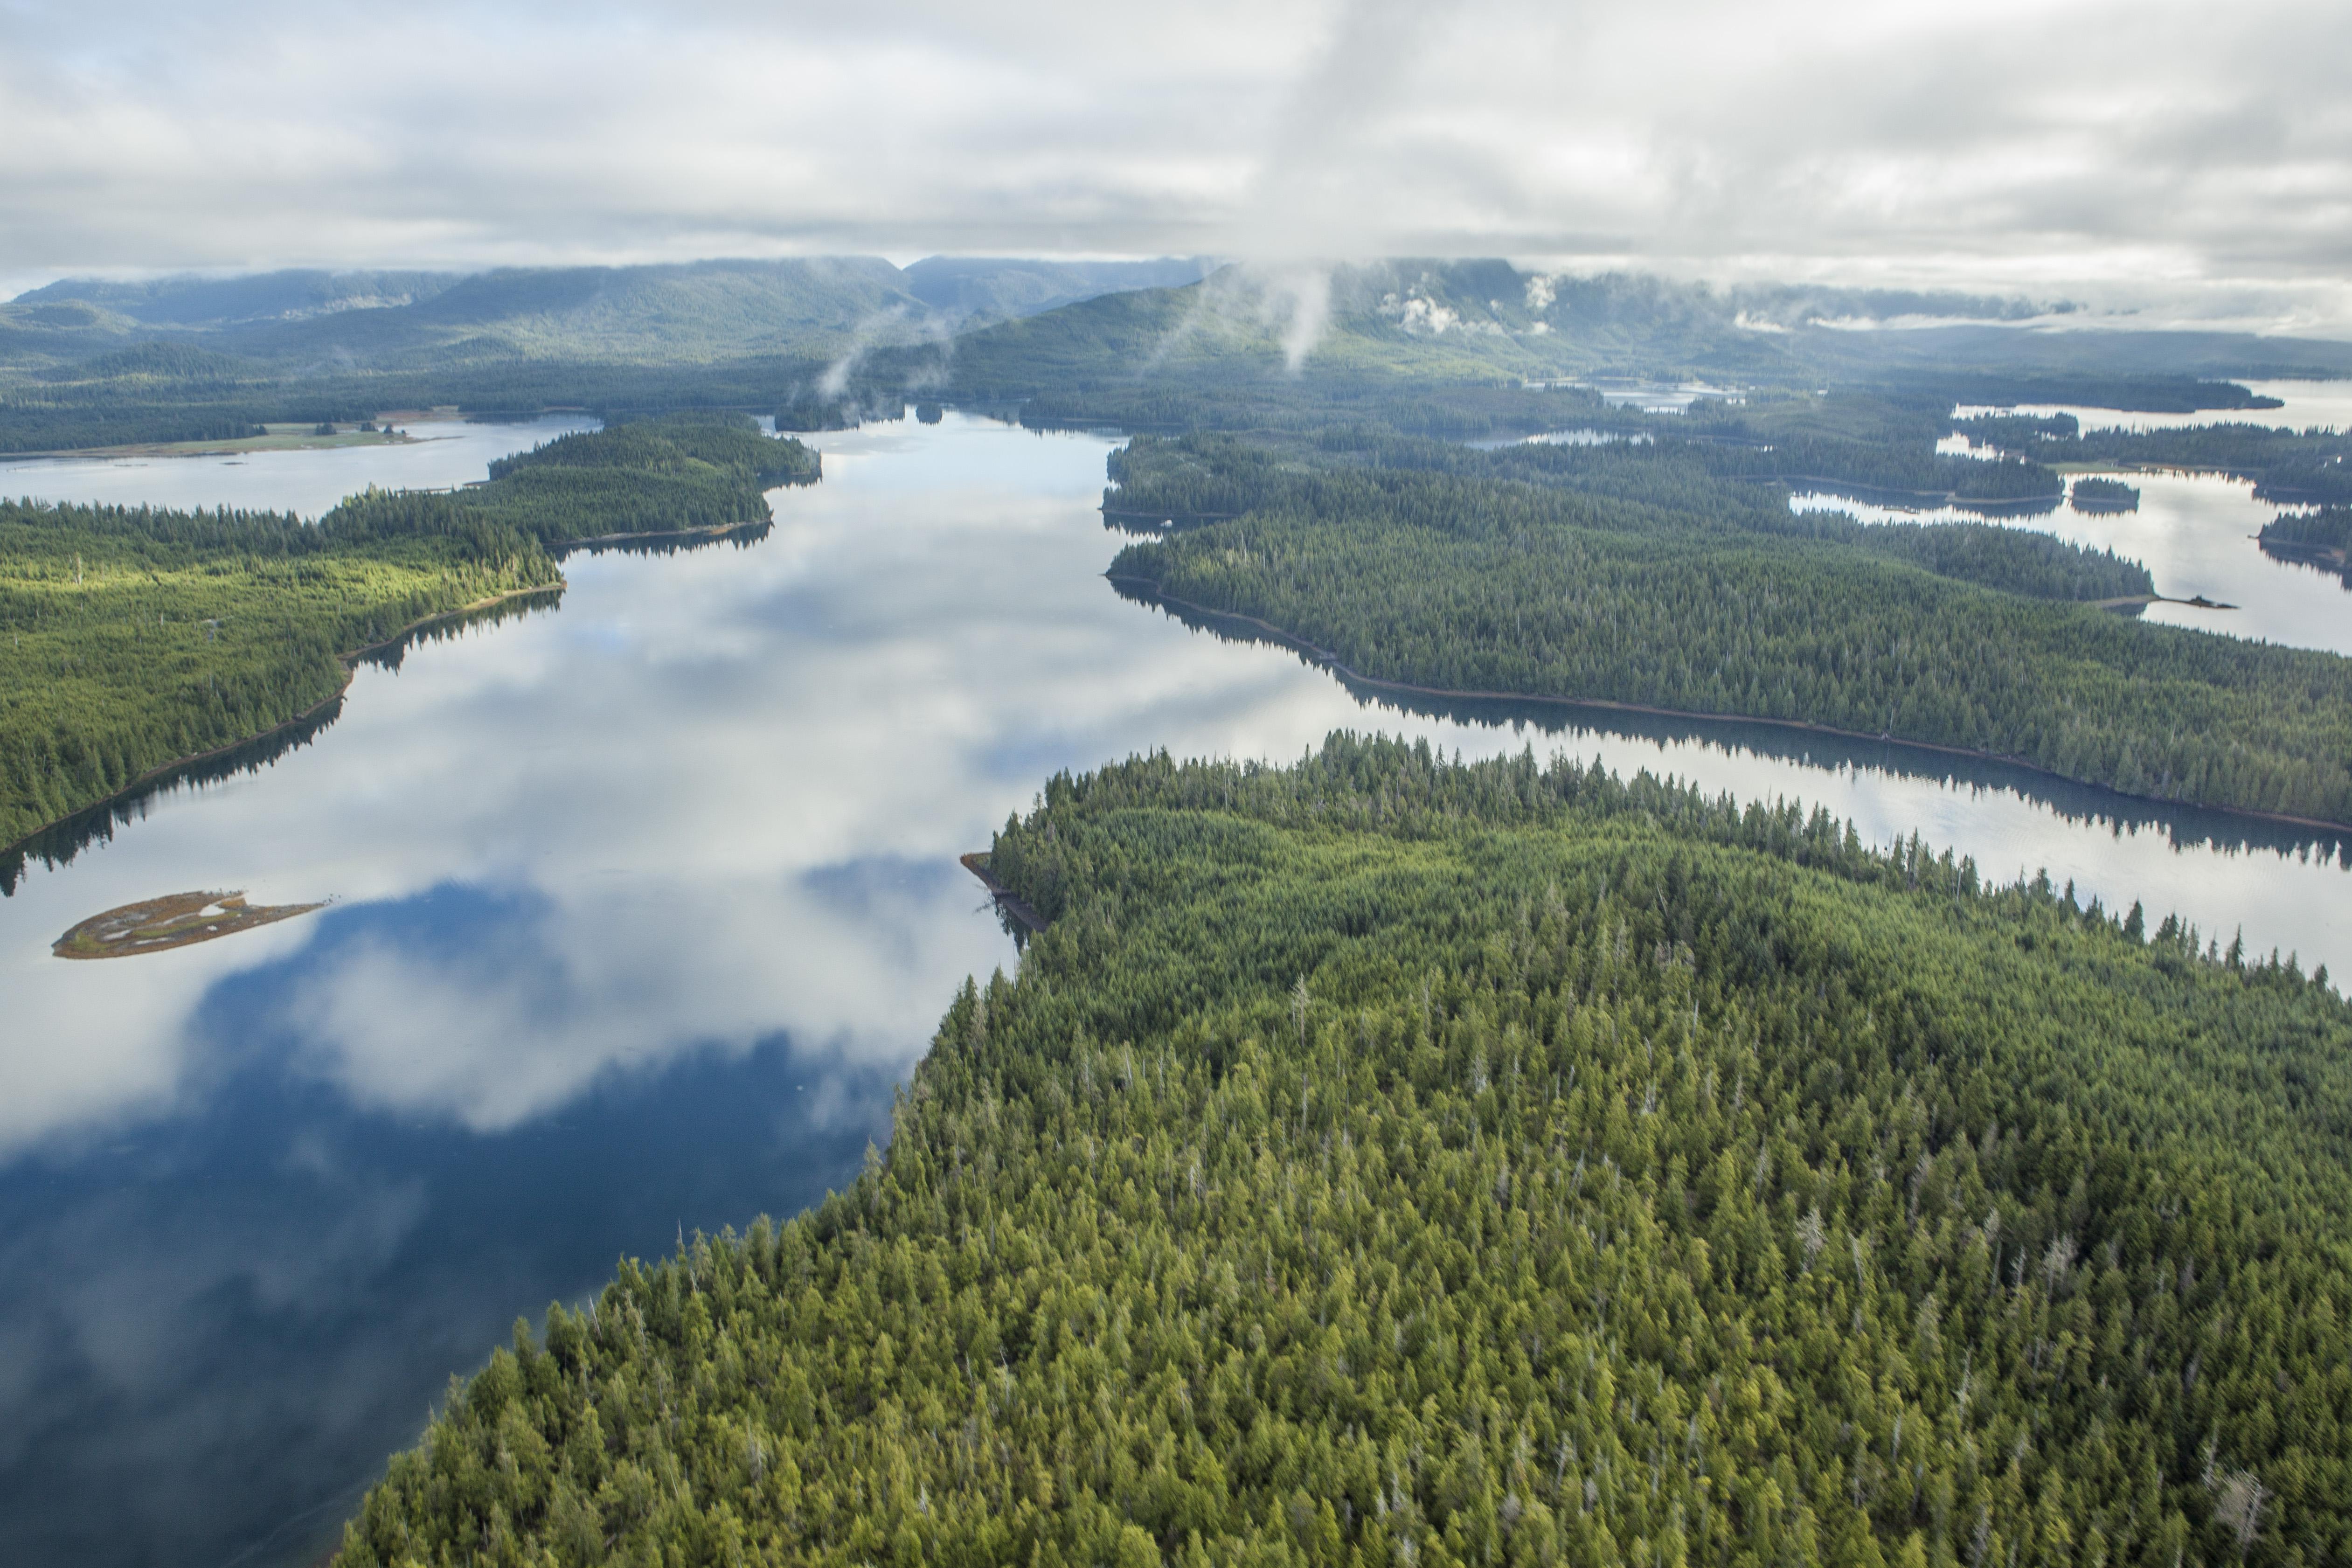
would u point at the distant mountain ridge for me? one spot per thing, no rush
(88, 362)
(1477, 319)
(982, 288)
(292, 294)
(1013, 320)
(667, 313)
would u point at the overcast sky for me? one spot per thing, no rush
(2193, 157)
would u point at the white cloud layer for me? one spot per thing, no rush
(2155, 149)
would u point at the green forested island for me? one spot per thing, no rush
(1612, 574)
(679, 473)
(132, 639)
(1379, 1161)
(2092, 493)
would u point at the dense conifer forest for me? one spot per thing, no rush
(2291, 467)
(1627, 574)
(2091, 493)
(1379, 1161)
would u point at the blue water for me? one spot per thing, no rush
(642, 904)
(218, 1322)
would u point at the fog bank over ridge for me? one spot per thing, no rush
(2185, 162)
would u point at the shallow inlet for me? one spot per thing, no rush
(645, 903)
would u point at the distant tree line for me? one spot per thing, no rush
(2292, 468)
(2321, 538)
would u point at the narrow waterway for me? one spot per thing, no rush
(643, 903)
(2303, 405)
(2195, 536)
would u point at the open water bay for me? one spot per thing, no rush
(643, 905)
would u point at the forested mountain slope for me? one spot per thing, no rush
(664, 314)
(858, 335)
(977, 289)
(91, 362)
(195, 300)
(1422, 319)
(311, 347)
(1435, 322)
(1379, 1161)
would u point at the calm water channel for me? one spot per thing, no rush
(2303, 405)
(642, 904)
(2195, 534)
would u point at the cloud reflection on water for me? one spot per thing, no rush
(212, 1336)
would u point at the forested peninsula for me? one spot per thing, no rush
(1379, 1161)
(1639, 576)
(2321, 538)
(134, 639)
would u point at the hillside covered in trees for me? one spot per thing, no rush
(1381, 1161)
(89, 361)
(1637, 575)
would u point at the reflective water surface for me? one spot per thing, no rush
(442, 453)
(644, 902)
(2303, 405)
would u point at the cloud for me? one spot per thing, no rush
(1306, 200)
(835, 379)
(2188, 148)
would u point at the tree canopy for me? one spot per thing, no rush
(1381, 1161)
